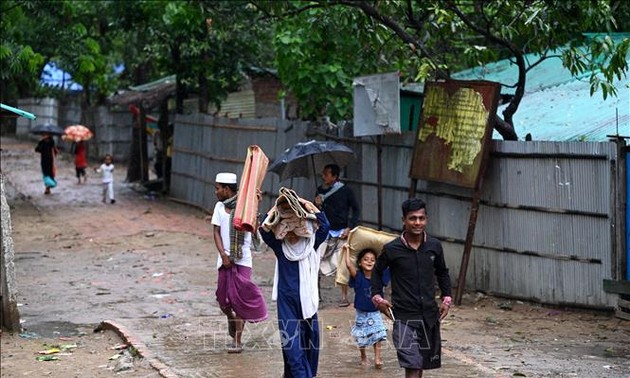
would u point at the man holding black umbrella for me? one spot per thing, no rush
(48, 150)
(340, 205)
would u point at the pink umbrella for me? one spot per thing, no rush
(77, 133)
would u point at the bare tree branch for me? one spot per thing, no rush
(505, 128)
(287, 14)
(372, 12)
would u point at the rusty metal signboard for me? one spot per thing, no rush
(455, 128)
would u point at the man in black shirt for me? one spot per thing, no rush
(415, 261)
(337, 201)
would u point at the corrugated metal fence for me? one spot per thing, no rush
(112, 133)
(204, 146)
(546, 226)
(112, 128)
(547, 223)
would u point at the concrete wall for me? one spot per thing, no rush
(9, 315)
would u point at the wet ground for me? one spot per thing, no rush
(149, 266)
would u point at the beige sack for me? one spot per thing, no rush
(361, 238)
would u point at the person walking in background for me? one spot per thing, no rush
(339, 204)
(415, 260)
(368, 328)
(159, 154)
(48, 151)
(168, 158)
(239, 297)
(80, 160)
(107, 170)
(293, 229)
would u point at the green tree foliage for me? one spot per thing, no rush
(552, 29)
(69, 34)
(231, 41)
(438, 37)
(317, 46)
(208, 44)
(320, 49)
(92, 55)
(20, 62)
(317, 60)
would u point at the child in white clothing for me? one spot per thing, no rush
(107, 169)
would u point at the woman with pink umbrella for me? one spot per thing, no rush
(78, 134)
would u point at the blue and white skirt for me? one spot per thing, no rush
(368, 328)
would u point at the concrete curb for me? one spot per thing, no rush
(142, 349)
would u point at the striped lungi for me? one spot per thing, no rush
(246, 212)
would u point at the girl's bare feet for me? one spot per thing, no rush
(378, 363)
(364, 358)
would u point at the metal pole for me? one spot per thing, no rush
(472, 222)
(314, 172)
(144, 167)
(379, 180)
(412, 187)
(470, 234)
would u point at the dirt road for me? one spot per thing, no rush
(147, 265)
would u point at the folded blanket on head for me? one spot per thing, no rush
(299, 226)
(296, 220)
(294, 201)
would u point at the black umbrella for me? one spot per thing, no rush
(47, 129)
(306, 159)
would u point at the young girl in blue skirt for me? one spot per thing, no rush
(368, 328)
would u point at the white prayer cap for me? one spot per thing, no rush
(226, 178)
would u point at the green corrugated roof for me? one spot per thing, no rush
(154, 84)
(557, 106)
(549, 73)
(567, 112)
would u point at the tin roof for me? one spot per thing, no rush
(150, 95)
(568, 112)
(557, 106)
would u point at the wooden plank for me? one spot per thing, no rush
(617, 287)
(622, 315)
(623, 310)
